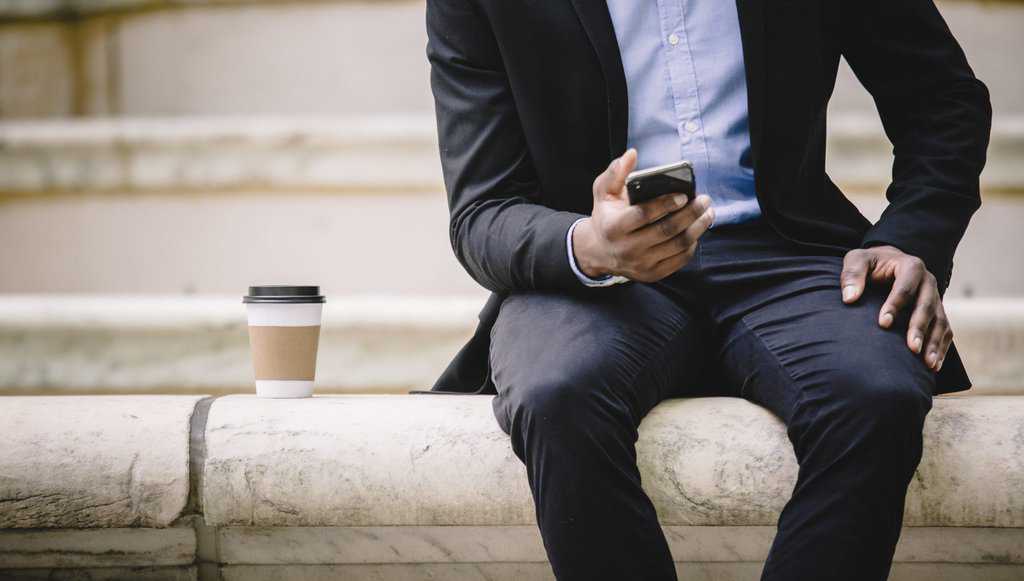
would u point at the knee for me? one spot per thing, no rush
(883, 403)
(888, 394)
(560, 407)
(555, 401)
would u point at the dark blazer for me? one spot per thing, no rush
(531, 105)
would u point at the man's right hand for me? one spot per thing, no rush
(645, 242)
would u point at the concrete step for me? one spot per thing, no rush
(295, 57)
(138, 344)
(349, 244)
(207, 205)
(367, 153)
(201, 345)
(362, 154)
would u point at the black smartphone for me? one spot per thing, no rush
(672, 178)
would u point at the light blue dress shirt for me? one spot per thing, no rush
(687, 91)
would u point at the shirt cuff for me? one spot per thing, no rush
(606, 280)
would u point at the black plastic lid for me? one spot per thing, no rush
(283, 294)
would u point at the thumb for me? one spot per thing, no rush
(856, 266)
(613, 180)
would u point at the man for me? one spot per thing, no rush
(770, 285)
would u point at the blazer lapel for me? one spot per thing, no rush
(597, 23)
(751, 13)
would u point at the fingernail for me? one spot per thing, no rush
(886, 319)
(939, 366)
(679, 199)
(705, 200)
(917, 344)
(934, 358)
(848, 292)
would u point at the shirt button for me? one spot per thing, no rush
(673, 39)
(691, 126)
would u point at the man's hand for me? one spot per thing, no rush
(929, 333)
(645, 242)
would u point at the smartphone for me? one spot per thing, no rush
(672, 178)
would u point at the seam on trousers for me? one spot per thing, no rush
(746, 382)
(802, 393)
(646, 365)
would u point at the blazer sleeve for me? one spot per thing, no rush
(936, 114)
(504, 238)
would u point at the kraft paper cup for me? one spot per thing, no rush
(284, 334)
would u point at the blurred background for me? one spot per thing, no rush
(159, 156)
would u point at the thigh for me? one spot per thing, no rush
(634, 343)
(794, 344)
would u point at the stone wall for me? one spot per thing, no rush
(427, 487)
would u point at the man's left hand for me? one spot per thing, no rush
(929, 333)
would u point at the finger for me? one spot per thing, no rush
(947, 341)
(904, 290)
(670, 249)
(671, 264)
(923, 315)
(687, 238)
(856, 265)
(655, 269)
(673, 224)
(939, 337)
(651, 211)
(612, 182)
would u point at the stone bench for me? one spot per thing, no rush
(96, 484)
(426, 487)
(152, 344)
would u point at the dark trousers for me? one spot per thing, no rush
(576, 373)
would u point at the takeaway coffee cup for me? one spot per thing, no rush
(284, 332)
